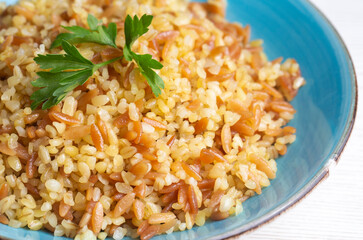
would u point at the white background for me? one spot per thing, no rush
(334, 210)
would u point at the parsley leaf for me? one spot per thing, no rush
(93, 22)
(67, 72)
(134, 28)
(146, 64)
(96, 34)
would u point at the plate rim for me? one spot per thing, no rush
(333, 158)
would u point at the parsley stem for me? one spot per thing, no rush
(97, 66)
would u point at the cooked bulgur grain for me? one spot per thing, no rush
(112, 159)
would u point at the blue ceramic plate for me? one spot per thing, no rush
(326, 108)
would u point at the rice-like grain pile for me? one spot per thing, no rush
(196, 152)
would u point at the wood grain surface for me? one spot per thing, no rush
(334, 210)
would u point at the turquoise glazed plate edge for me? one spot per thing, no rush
(332, 159)
(257, 209)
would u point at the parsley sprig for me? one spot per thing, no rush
(64, 72)
(67, 71)
(97, 33)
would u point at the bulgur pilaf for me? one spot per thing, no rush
(114, 160)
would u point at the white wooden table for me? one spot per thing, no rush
(334, 210)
